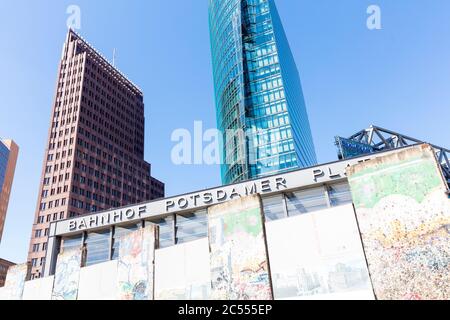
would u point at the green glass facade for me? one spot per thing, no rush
(259, 101)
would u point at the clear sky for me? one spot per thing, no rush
(397, 77)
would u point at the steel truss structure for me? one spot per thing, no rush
(381, 139)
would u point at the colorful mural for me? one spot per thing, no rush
(135, 274)
(404, 217)
(238, 253)
(318, 255)
(15, 281)
(67, 274)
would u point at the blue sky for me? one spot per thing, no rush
(397, 77)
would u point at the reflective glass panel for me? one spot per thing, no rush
(274, 208)
(191, 226)
(305, 201)
(98, 247)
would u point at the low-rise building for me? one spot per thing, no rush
(350, 229)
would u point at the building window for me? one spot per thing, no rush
(72, 242)
(305, 201)
(340, 194)
(37, 233)
(274, 208)
(36, 247)
(191, 226)
(34, 262)
(97, 247)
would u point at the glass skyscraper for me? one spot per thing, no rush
(4, 156)
(8, 158)
(259, 100)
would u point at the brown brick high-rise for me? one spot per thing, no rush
(95, 153)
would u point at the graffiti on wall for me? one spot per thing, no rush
(238, 254)
(404, 219)
(67, 274)
(135, 274)
(318, 255)
(15, 281)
